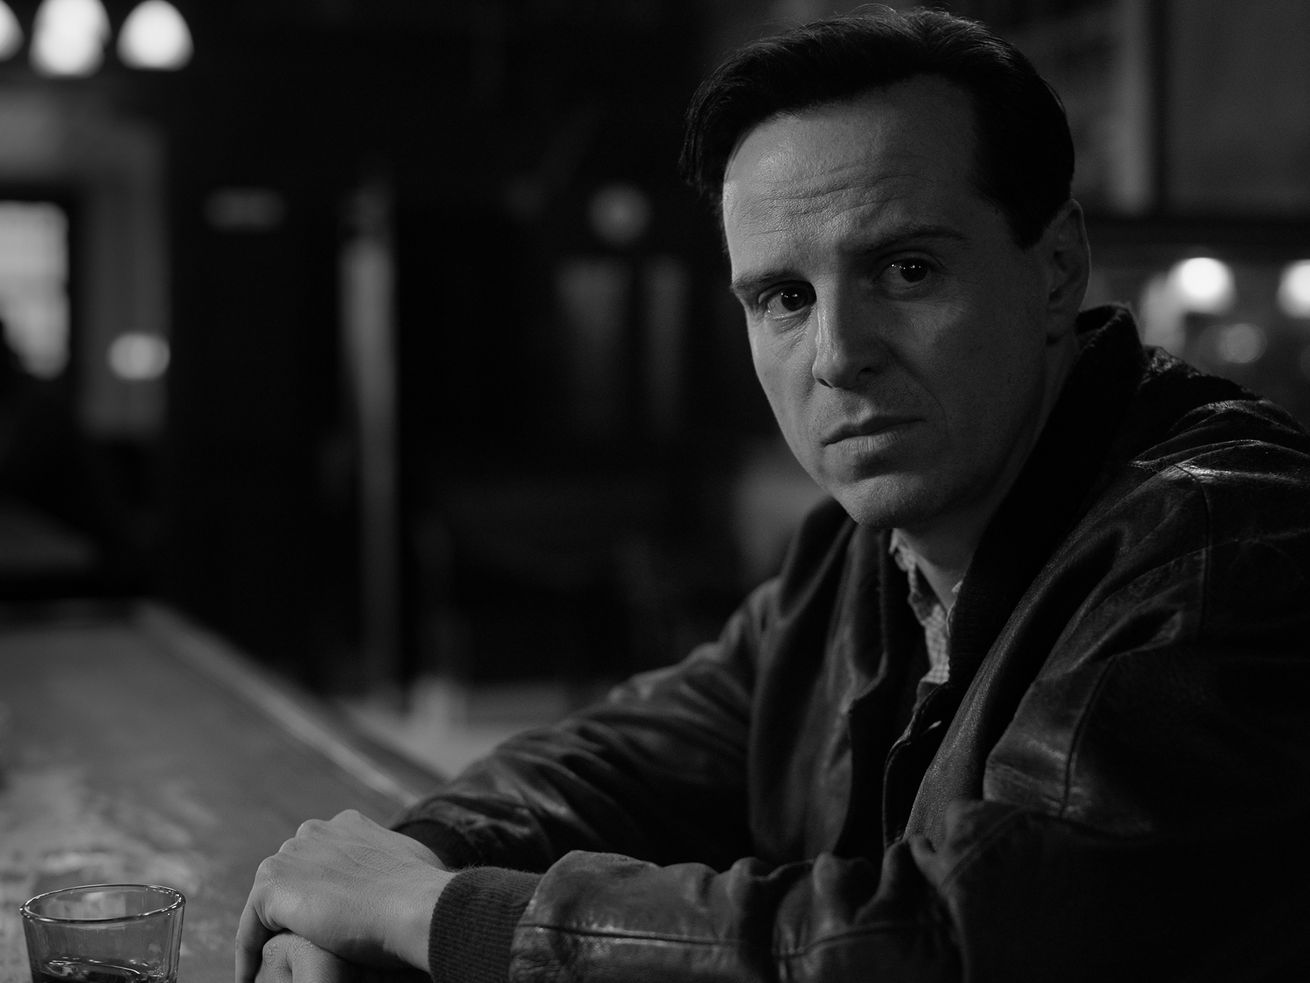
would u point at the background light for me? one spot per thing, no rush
(1294, 289)
(11, 35)
(138, 357)
(155, 36)
(1203, 284)
(1241, 344)
(619, 213)
(68, 37)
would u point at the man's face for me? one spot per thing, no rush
(900, 334)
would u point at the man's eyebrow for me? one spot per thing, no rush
(750, 286)
(903, 235)
(887, 240)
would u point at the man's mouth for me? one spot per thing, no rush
(866, 427)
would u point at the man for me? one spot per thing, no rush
(1080, 749)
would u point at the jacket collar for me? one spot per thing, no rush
(1052, 491)
(1053, 487)
(1029, 522)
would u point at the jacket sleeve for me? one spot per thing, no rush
(618, 775)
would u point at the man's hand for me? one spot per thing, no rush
(290, 959)
(351, 887)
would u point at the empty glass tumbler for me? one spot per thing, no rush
(104, 933)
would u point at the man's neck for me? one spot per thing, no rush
(941, 560)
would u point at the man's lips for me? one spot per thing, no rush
(866, 427)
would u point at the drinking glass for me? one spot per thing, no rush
(104, 933)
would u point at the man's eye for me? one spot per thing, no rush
(786, 300)
(910, 271)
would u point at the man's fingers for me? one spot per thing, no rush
(252, 934)
(275, 964)
(339, 883)
(289, 958)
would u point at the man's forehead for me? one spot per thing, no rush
(846, 205)
(918, 131)
(821, 192)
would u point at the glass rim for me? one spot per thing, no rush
(177, 900)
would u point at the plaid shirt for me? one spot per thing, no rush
(930, 612)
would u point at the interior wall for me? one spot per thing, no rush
(1238, 89)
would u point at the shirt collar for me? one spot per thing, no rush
(908, 560)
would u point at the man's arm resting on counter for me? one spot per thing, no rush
(350, 886)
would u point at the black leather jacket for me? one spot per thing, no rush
(1114, 784)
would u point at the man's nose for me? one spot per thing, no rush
(847, 349)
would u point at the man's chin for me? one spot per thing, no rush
(888, 501)
(885, 502)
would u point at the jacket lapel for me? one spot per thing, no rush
(1050, 494)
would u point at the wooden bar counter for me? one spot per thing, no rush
(135, 747)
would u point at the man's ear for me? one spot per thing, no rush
(1067, 262)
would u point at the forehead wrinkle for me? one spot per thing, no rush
(796, 216)
(780, 178)
(854, 211)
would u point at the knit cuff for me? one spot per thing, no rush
(473, 925)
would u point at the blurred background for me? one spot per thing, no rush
(380, 338)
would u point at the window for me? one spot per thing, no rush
(34, 284)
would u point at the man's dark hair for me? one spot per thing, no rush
(1024, 151)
